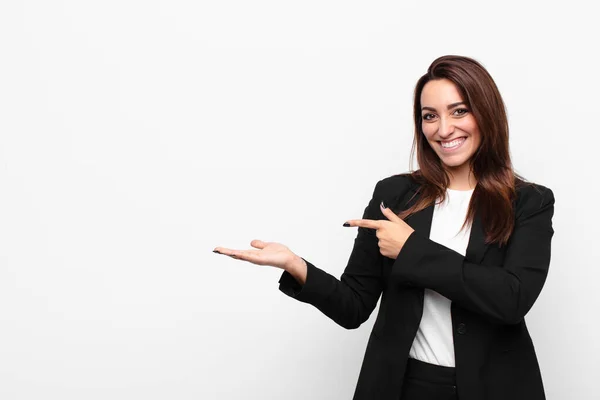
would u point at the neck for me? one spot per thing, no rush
(461, 178)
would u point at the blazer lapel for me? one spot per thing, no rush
(421, 222)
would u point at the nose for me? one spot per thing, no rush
(445, 128)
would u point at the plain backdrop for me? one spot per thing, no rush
(137, 136)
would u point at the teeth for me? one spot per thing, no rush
(453, 143)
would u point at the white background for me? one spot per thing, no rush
(137, 136)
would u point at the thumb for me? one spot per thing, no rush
(389, 214)
(259, 244)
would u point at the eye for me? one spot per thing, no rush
(427, 117)
(461, 111)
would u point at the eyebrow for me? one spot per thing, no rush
(450, 106)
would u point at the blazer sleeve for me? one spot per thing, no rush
(350, 300)
(502, 293)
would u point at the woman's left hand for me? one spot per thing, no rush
(392, 234)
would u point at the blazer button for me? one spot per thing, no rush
(462, 328)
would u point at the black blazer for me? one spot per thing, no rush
(491, 289)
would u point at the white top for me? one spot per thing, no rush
(434, 340)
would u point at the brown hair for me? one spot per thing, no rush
(491, 164)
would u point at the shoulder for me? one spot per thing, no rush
(531, 198)
(395, 190)
(396, 185)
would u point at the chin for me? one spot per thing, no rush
(454, 163)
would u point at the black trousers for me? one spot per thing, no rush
(424, 381)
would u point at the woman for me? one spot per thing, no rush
(458, 250)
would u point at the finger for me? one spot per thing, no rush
(239, 255)
(222, 250)
(226, 252)
(245, 255)
(389, 214)
(364, 223)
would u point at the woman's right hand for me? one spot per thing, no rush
(270, 253)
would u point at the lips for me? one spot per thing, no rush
(454, 144)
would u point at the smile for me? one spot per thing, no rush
(453, 145)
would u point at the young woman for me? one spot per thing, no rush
(458, 250)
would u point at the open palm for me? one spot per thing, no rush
(268, 253)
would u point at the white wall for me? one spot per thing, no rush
(137, 136)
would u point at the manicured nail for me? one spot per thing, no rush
(383, 205)
(216, 251)
(346, 224)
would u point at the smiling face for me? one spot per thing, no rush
(448, 124)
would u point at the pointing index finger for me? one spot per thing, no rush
(364, 223)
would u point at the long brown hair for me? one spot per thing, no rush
(491, 164)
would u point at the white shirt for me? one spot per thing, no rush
(434, 340)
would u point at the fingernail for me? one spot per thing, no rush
(383, 205)
(346, 224)
(216, 251)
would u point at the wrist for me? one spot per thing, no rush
(295, 265)
(297, 268)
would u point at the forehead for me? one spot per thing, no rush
(440, 91)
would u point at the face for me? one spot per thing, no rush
(448, 125)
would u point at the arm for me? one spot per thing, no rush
(503, 293)
(351, 300)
